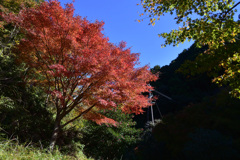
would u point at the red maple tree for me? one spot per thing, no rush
(80, 69)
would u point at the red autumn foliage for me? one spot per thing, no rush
(80, 68)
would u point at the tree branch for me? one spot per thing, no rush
(231, 8)
(225, 13)
(84, 112)
(80, 96)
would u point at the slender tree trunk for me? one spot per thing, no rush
(56, 131)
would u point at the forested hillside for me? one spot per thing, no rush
(183, 89)
(200, 122)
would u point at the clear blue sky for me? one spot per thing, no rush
(120, 17)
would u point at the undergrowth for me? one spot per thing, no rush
(12, 150)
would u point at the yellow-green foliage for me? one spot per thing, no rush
(211, 23)
(11, 150)
(15, 5)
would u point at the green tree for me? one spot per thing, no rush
(9, 34)
(20, 103)
(209, 23)
(155, 69)
(15, 5)
(110, 142)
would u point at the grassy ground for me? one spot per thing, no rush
(11, 150)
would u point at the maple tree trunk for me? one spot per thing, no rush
(56, 131)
